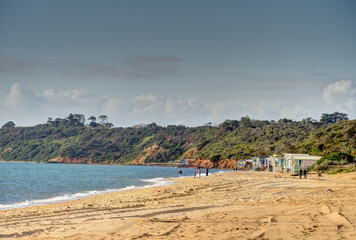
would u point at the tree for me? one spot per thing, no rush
(333, 118)
(49, 121)
(93, 122)
(57, 122)
(208, 124)
(92, 119)
(103, 118)
(336, 158)
(230, 124)
(9, 124)
(80, 118)
(246, 122)
(284, 120)
(71, 120)
(108, 125)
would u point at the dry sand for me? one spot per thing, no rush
(234, 205)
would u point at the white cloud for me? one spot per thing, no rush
(19, 99)
(25, 108)
(152, 108)
(75, 96)
(340, 96)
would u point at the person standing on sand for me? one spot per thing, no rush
(207, 171)
(199, 172)
(305, 173)
(300, 173)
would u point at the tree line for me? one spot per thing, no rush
(99, 141)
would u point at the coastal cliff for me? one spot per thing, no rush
(203, 146)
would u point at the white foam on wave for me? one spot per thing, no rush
(155, 182)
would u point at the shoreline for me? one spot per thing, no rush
(65, 197)
(180, 165)
(238, 205)
(81, 195)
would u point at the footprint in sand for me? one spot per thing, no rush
(338, 218)
(258, 234)
(325, 209)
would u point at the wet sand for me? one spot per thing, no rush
(234, 205)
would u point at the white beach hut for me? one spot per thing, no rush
(295, 162)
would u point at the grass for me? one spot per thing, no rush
(344, 170)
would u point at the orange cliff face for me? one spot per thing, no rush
(150, 151)
(227, 164)
(191, 153)
(220, 164)
(191, 156)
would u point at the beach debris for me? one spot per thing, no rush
(269, 219)
(329, 190)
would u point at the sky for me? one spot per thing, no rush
(176, 62)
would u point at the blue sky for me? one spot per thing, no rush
(176, 62)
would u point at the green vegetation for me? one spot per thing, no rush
(333, 118)
(337, 159)
(344, 170)
(100, 142)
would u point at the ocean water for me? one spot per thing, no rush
(28, 184)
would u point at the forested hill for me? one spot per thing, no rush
(68, 140)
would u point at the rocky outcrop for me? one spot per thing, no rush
(220, 164)
(76, 161)
(226, 164)
(203, 163)
(69, 160)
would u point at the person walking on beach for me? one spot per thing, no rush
(300, 173)
(199, 172)
(305, 173)
(207, 171)
(195, 172)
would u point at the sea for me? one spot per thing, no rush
(24, 184)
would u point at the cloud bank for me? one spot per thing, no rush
(25, 108)
(341, 96)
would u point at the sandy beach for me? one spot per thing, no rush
(233, 205)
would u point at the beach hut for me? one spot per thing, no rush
(259, 163)
(241, 164)
(276, 163)
(295, 162)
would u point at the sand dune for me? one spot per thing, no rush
(235, 205)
